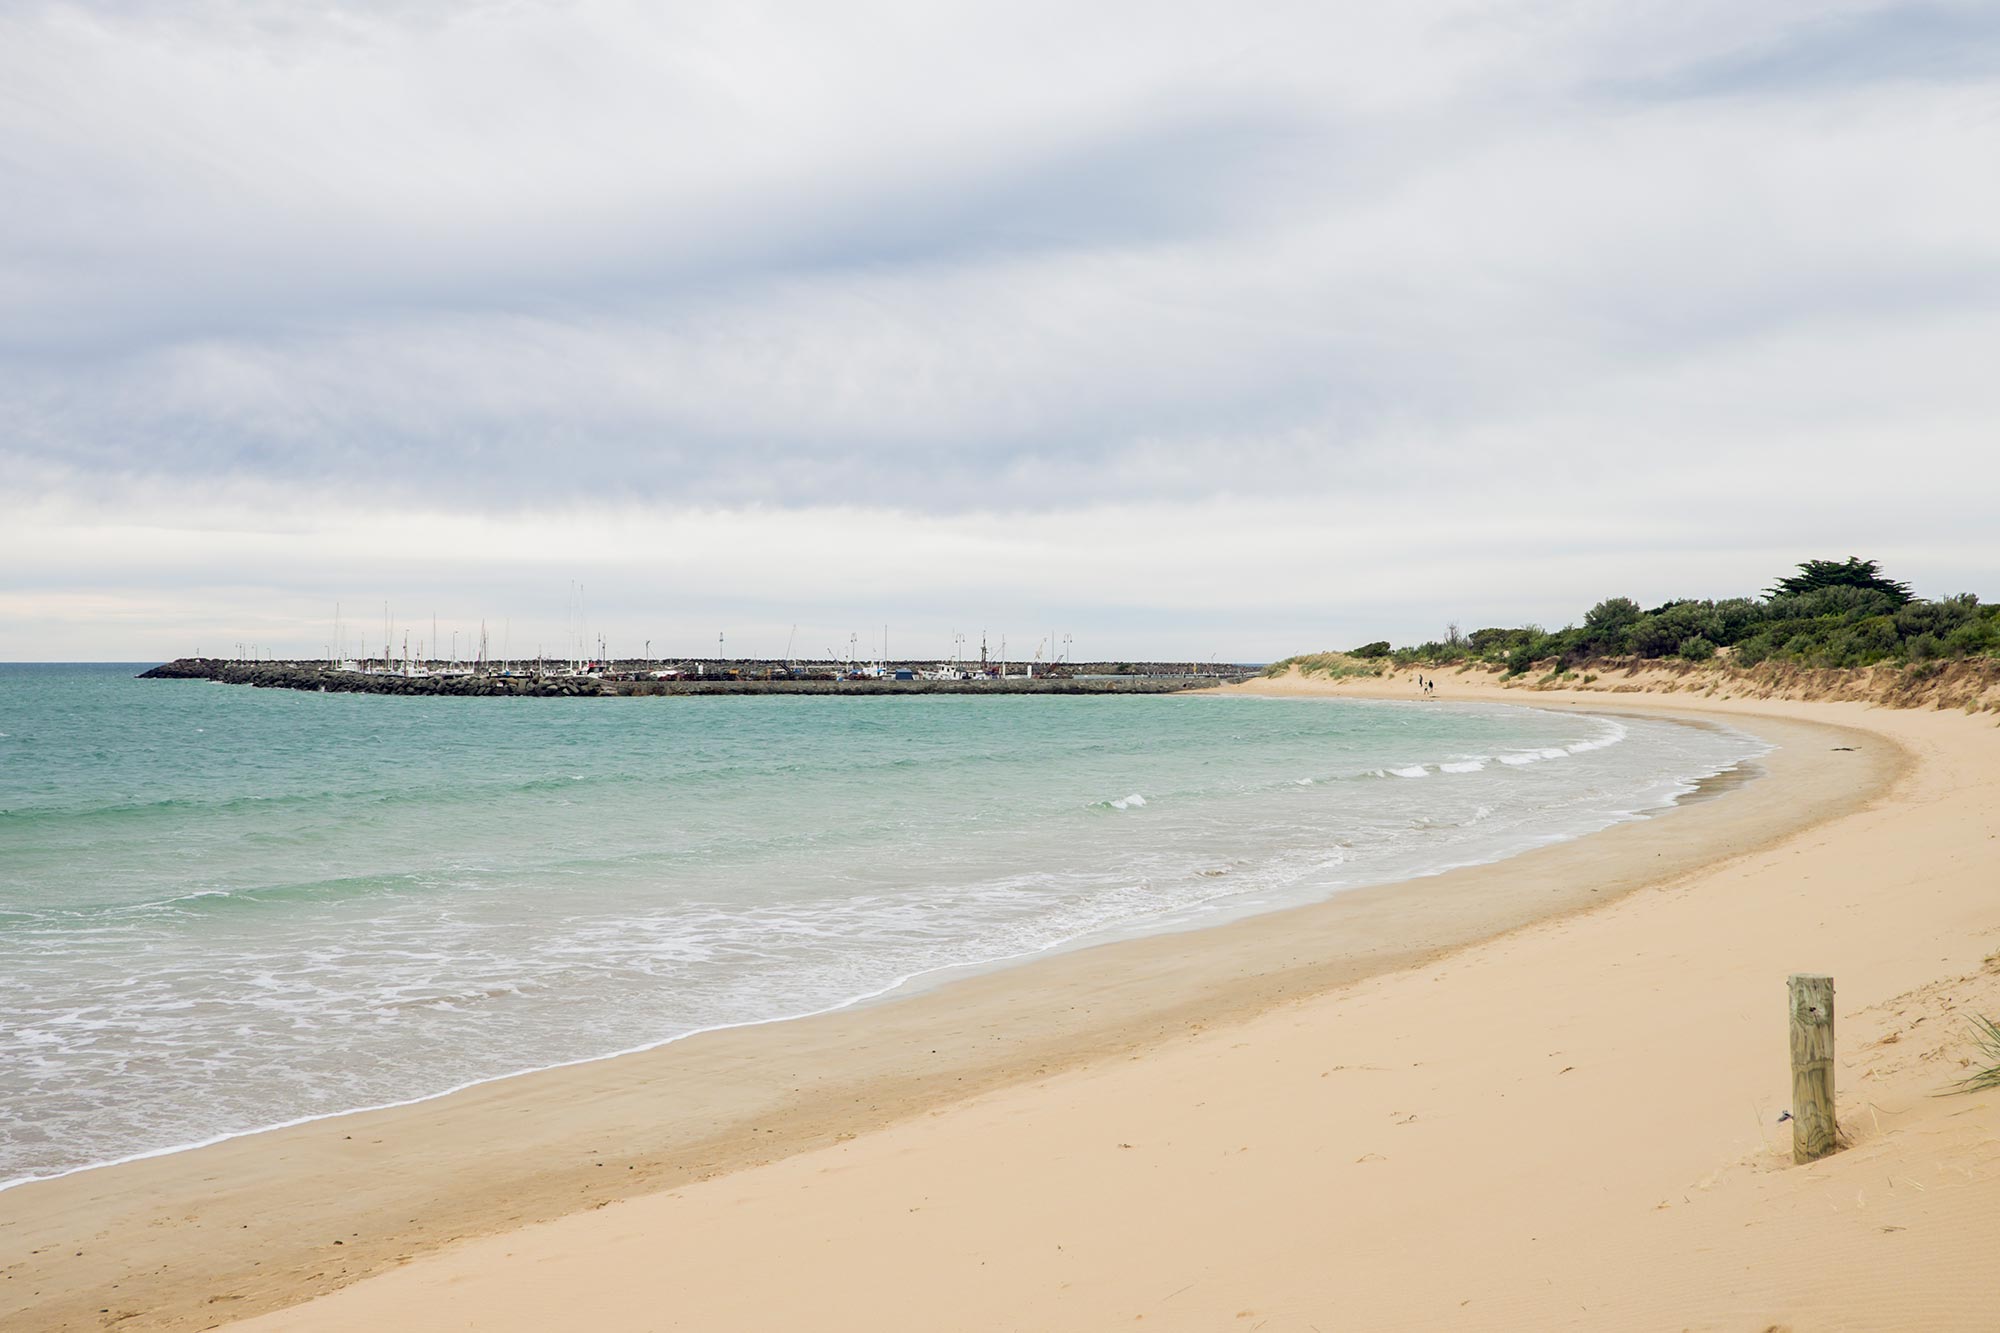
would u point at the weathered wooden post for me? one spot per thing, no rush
(1814, 1133)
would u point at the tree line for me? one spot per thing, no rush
(1829, 614)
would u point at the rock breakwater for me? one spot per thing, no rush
(321, 678)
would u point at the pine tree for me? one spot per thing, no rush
(1854, 572)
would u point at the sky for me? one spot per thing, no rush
(1178, 330)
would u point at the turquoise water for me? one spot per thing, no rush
(224, 908)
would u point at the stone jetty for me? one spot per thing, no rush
(1143, 678)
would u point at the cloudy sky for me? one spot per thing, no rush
(1186, 329)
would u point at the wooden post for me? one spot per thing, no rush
(1814, 1132)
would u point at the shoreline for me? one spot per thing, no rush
(1700, 788)
(857, 1069)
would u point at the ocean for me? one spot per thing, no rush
(223, 909)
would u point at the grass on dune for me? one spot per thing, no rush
(1330, 666)
(1986, 1041)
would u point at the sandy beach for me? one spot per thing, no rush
(1537, 1094)
(751, 669)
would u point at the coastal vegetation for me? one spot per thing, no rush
(1830, 614)
(1986, 1044)
(1329, 666)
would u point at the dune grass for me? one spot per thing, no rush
(1986, 1041)
(1327, 666)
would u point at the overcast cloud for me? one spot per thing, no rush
(1189, 329)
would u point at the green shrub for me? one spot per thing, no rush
(1652, 636)
(1875, 636)
(1836, 603)
(1607, 627)
(1379, 648)
(1697, 649)
(1736, 618)
(1493, 641)
(1939, 618)
(1973, 638)
(1752, 650)
(1662, 632)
